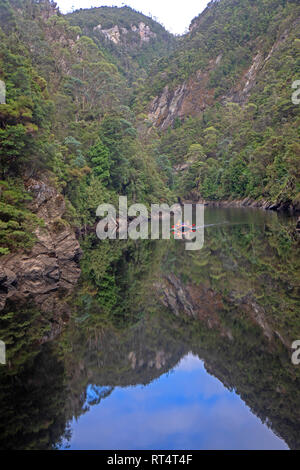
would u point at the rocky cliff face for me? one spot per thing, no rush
(51, 266)
(194, 96)
(118, 35)
(188, 99)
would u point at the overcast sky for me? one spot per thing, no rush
(175, 15)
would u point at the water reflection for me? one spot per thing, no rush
(187, 409)
(165, 348)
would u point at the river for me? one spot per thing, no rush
(163, 348)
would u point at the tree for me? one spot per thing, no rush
(99, 157)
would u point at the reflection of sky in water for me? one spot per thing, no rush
(186, 409)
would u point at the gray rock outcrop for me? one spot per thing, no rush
(52, 264)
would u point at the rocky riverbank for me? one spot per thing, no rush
(291, 208)
(53, 263)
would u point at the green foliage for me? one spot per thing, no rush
(99, 157)
(90, 138)
(248, 150)
(95, 148)
(24, 118)
(249, 147)
(130, 55)
(16, 223)
(85, 135)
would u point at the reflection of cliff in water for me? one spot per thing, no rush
(223, 303)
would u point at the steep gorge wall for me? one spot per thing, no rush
(52, 265)
(194, 95)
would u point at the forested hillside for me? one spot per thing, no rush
(130, 39)
(66, 115)
(105, 102)
(224, 103)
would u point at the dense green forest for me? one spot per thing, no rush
(126, 51)
(245, 141)
(78, 91)
(67, 113)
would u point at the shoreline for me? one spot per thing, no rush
(249, 203)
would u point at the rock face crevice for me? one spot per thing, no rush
(53, 263)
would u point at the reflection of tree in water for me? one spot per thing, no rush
(95, 394)
(145, 328)
(33, 404)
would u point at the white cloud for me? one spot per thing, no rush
(174, 14)
(190, 363)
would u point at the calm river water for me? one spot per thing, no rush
(163, 348)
